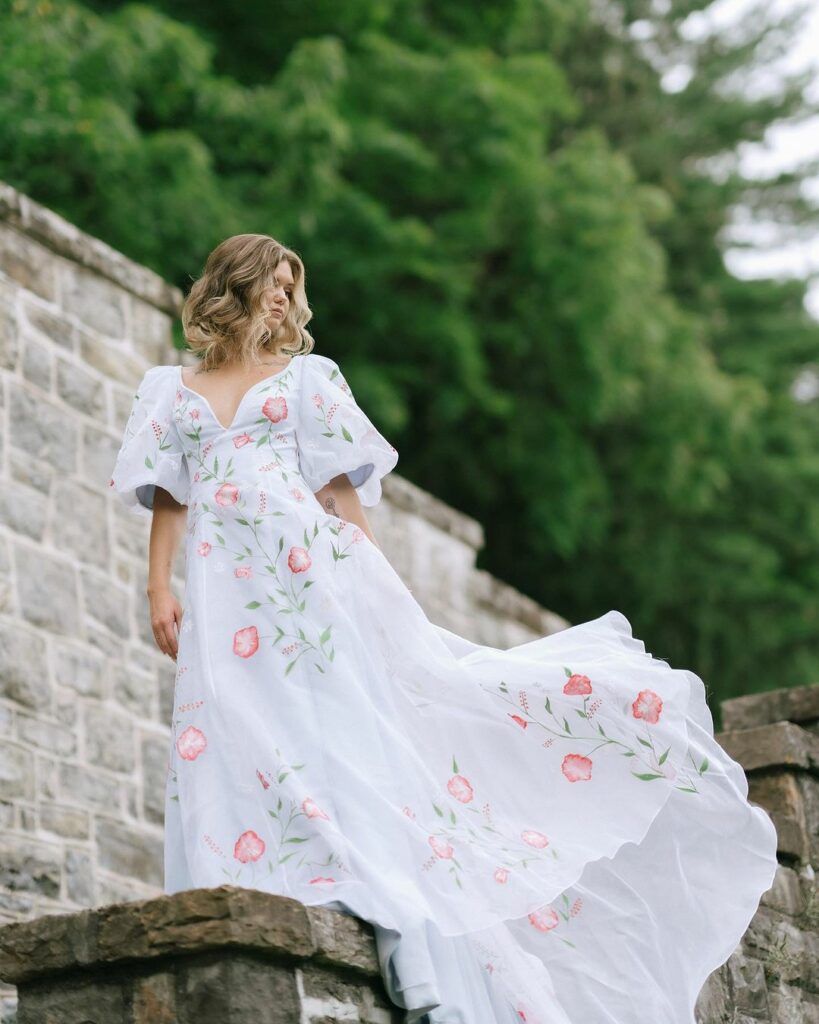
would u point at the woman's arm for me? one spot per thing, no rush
(341, 499)
(167, 529)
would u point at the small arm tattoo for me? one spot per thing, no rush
(330, 505)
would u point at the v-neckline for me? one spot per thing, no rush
(214, 417)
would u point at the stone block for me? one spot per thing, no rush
(48, 736)
(89, 788)
(9, 337)
(106, 601)
(37, 364)
(23, 510)
(96, 302)
(30, 867)
(132, 852)
(69, 822)
(78, 523)
(154, 777)
(79, 669)
(28, 263)
(132, 689)
(79, 877)
(80, 389)
(799, 704)
(46, 589)
(24, 674)
(216, 990)
(74, 1002)
(16, 771)
(50, 324)
(109, 738)
(781, 744)
(154, 999)
(44, 431)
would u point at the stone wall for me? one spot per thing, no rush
(774, 975)
(84, 693)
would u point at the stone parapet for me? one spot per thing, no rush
(205, 956)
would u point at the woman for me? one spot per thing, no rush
(548, 833)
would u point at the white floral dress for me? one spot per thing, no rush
(548, 833)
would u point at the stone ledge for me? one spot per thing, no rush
(64, 238)
(798, 704)
(408, 497)
(781, 744)
(193, 921)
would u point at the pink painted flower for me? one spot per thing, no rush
(299, 559)
(318, 401)
(358, 535)
(241, 440)
(194, 414)
(249, 847)
(312, 810)
(544, 919)
(228, 494)
(577, 684)
(316, 881)
(409, 812)
(533, 838)
(204, 549)
(647, 705)
(297, 494)
(191, 743)
(243, 572)
(502, 875)
(576, 767)
(246, 641)
(275, 409)
(441, 847)
(516, 718)
(460, 788)
(262, 779)
(196, 477)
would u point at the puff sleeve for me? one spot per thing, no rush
(151, 454)
(335, 436)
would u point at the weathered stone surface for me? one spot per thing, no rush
(209, 956)
(23, 666)
(154, 777)
(106, 601)
(766, 746)
(29, 867)
(27, 263)
(799, 704)
(23, 510)
(89, 788)
(78, 522)
(43, 430)
(44, 735)
(128, 851)
(70, 822)
(109, 738)
(16, 771)
(47, 590)
(79, 669)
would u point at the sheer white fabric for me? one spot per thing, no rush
(548, 833)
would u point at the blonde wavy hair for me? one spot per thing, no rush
(223, 317)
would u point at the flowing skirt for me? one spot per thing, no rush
(548, 833)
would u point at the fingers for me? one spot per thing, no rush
(165, 637)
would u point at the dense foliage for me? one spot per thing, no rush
(513, 247)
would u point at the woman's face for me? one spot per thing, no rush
(278, 296)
